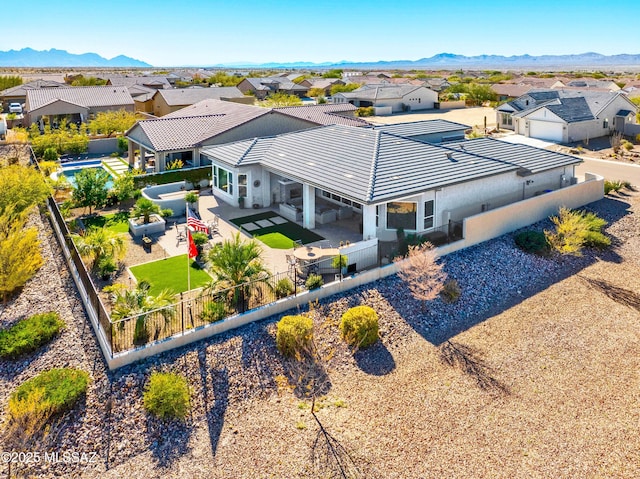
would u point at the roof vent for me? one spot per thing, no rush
(450, 157)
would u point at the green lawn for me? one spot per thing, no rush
(290, 230)
(275, 240)
(170, 273)
(117, 222)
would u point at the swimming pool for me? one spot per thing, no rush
(70, 169)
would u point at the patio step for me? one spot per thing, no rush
(116, 166)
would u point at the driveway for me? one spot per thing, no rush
(610, 170)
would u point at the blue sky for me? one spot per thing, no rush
(191, 32)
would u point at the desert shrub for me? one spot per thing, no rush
(48, 167)
(50, 154)
(166, 396)
(175, 165)
(314, 281)
(532, 242)
(294, 334)
(49, 393)
(29, 334)
(365, 111)
(576, 229)
(213, 311)
(638, 138)
(284, 287)
(359, 326)
(627, 145)
(450, 291)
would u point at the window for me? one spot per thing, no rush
(377, 216)
(428, 214)
(605, 123)
(401, 214)
(506, 119)
(242, 185)
(223, 179)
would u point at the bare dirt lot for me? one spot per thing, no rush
(466, 116)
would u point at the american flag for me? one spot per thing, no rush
(195, 223)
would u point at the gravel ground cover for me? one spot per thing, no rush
(532, 373)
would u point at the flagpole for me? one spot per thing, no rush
(188, 250)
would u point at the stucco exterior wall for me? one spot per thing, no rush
(421, 99)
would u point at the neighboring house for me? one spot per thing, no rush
(396, 98)
(380, 180)
(263, 87)
(154, 82)
(75, 104)
(324, 83)
(510, 91)
(165, 101)
(182, 134)
(18, 94)
(437, 84)
(567, 116)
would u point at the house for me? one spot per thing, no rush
(75, 104)
(323, 83)
(432, 131)
(165, 101)
(381, 180)
(510, 91)
(567, 116)
(153, 82)
(182, 134)
(18, 94)
(265, 86)
(395, 99)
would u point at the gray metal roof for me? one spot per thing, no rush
(87, 96)
(371, 166)
(169, 135)
(418, 128)
(189, 96)
(155, 81)
(20, 90)
(275, 83)
(381, 92)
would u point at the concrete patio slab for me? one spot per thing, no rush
(278, 220)
(264, 223)
(250, 226)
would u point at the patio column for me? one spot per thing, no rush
(143, 159)
(132, 156)
(308, 206)
(368, 221)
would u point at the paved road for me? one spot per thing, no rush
(611, 170)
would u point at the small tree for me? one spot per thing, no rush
(99, 243)
(50, 154)
(422, 273)
(112, 121)
(91, 188)
(145, 207)
(124, 186)
(316, 92)
(21, 188)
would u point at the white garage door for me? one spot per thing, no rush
(545, 130)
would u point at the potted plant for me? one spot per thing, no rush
(200, 239)
(340, 263)
(241, 202)
(147, 211)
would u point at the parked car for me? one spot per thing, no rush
(15, 108)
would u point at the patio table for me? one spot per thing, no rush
(309, 253)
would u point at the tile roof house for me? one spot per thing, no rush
(77, 103)
(382, 180)
(262, 87)
(165, 101)
(567, 116)
(18, 94)
(182, 134)
(389, 98)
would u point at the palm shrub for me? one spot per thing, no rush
(294, 335)
(532, 242)
(96, 244)
(29, 334)
(167, 396)
(359, 326)
(144, 207)
(237, 264)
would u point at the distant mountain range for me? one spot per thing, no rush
(448, 61)
(28, 57)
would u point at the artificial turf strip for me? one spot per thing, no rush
(170, 273)
(117, 222)
(289, 229)
(276, 240)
